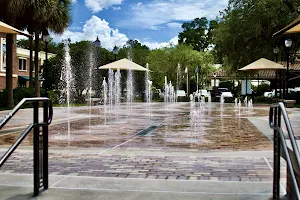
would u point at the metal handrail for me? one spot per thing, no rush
(275, 124)
(20, 104)
(40, 160)
(15, 145)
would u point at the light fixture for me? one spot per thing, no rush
(115, 50)
(288, 43)
(97, 42)
(45, 36)
(276, 50)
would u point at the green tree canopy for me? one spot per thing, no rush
(245, 31)
(164, 62)
(197, 33)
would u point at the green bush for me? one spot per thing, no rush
(20, 93)
(183, 99)
(261, 99)
(54, 96)
(294, 96)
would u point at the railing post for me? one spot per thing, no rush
(36, 164)
(45, 145)
(276, 172)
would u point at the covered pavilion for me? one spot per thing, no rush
(124, 64)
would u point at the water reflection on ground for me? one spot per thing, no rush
(180, 125)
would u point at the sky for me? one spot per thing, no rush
(155, 23)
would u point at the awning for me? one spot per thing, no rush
(293, 27)
(263, 64)
(26, 78)
(5, 28)
(123, 64)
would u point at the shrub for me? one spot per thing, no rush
(294, 96)
(261, 99)
(183, 99)
(54, 96)
(20, 93)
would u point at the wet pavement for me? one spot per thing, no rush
(177, 126)
(180, 141)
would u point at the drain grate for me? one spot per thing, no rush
(147, 131)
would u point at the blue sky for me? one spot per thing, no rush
(155, 23)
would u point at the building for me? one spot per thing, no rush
(21, 58)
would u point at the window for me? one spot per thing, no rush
(2, 54)
(22, 64)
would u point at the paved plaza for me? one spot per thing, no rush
(173, 143)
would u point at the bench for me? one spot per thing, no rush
(289, 103)
(93, 101)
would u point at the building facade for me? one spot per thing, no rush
(21, 62)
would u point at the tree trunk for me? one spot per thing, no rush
(36, 65)
(9, 70)
(31, 62)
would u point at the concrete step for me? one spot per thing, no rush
(14, 186)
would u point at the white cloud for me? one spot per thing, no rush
(156, 13)
(98, 5)
(174, 25)
(108, 36)
(116, 8)
(156, 45)
(73, 1)
(92, 28)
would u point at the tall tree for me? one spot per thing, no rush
(245, 31)
(197, 33)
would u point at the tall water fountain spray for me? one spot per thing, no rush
(235, 103)
(239, 107)
(209, 98)
(104, 87)
(66, 80)
(117, 87)
(129, 88)
(110, 87)
(148, 84)
(166, 94)
(178, 80)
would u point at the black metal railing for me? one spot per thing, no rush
(40, 140)
(276, 112)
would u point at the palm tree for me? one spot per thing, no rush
(53, 15)
(33, 15)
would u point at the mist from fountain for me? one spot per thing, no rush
(66, 82)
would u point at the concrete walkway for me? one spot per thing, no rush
(14, 186)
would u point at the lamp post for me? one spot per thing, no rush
(288, 44)
(276, 51)
(97, 42)
(215, 75)
(46, 39)
(115, 51)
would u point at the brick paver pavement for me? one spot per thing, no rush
(149, 167)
